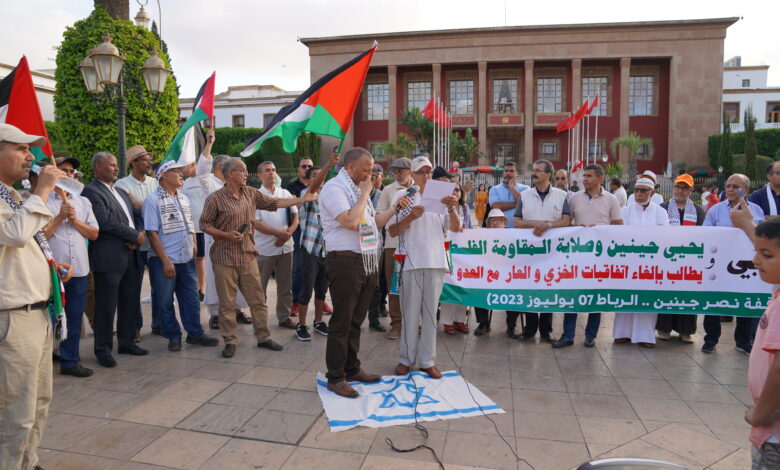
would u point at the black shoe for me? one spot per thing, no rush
(38, 467)
(270, 344)
(562, 343)
(202, 340)
(481, 329)
(589, 342)
(76, 371)
(525, 337)
(157, 331)
(302, 333)
(174, 344)
(229, 350)
(132, 350)
(214, 323)
(708, 348)
(377, 327)
(321, 328)
(107, 361)
(55, 356)
(546, 337)
(511, 334)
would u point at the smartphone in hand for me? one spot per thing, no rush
(243, 228)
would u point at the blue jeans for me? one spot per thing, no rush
(744, 331)
(591, 328)
(296, 270)
(76, 300)
(145, 256)
(185, 286)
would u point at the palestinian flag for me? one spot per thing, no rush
(19, 106)
(326, 108)
(189, 141)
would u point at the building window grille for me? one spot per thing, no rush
(378, 100)
(462, 96)
(592, 86)
(505, 95)
(418, 94)
(641, 91)
(238, 120)
(549, 94)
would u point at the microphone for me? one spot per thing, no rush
(410, 191)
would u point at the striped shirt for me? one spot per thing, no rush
(312, 239)
(225, 212)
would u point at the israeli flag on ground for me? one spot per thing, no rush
(392, 401)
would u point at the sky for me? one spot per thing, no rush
(255, 42)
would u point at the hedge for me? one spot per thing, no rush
(767, 141)
(232, 140)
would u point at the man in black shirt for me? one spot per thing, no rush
(295, 188)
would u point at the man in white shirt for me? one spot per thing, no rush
(68, 233)
(421, 240)
(616, 188)
(273, 240)
(640, 327)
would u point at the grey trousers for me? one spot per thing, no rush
(419, 291)
(282, 265)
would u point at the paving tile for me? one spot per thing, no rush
(486, 361)
(584, 367)
(296, 401)
(66, 396)
(484, 424)
(647, 388)
(554, 427)
(685, 374)
(72, 461)
(644, 450)
(118, 439)
(308, 382)
(694, 391)
(190, 388)
(660, 409)
(289, 360)
(130, 382)
(716, 415)
(488, 378)
(542, 402)
(741, 393)
(357, 439)
(159, 410)
(652, 425)
(737, 459)
(610, 430)
(596, 450)
(246, 396)
(304, 458)
(547, 365)
(551, 455)
(406, 437)
(538, 380)
(597, 385)
(503, 397)
(700, 448)
(735, 434)
(729, 376)
(601, 406)
(378, 462)
(633, 370)
(479, 449)
(245, 454)
(222, 372)
(63, 430)
(277, 426)
(217, 419)
(181, 449)
(104, 404)
(269, 377)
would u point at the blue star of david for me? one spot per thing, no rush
(418, 397)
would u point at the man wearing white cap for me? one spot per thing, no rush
(421, 239)
(25, 325)
(640, 327)
(657, 198)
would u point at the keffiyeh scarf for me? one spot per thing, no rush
(370, 246)
(689, 214)
(170, 215)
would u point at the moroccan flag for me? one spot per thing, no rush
(326, 108)
(435, 112)
(593, 104)
(566, 124)
(581, 112)
(19, 106)
(189, 141)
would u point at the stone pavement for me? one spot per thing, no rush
(195, 410)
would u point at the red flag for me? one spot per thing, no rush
(594, 104)
(427, 111)
(432, 110)
(566, 124)
(581, 111)
(577, 167)
(19, 106)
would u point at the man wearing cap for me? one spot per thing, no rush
(495, 219)
(401, 168)
(26, 331)
(590, 206)
(682, 212)
(115, 261)
(351, 228)
(422, 235)
(168, 224)
(719, 215)
(541, 208)
(639, 327)
(68, 233)
(657, 198)
(768, 198)
(504, 196)
(139, 185)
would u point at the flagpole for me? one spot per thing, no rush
(598, 111)
(435, 140)
(587, 135)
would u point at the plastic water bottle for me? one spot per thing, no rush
(70, 185)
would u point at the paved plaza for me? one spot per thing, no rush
(259, 410)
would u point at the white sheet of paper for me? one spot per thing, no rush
(434, 192)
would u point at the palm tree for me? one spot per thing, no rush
(420, 127)
(403, 146)
(633, 143)
(468, 147)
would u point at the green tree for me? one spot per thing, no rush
(85, 127)
(468, 148)
(632, 143)
(750, 144)
(421, 128)
(402, 146)
(725, 158)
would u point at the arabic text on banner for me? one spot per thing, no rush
(701, 270)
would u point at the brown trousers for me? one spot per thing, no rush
(394, 303)
(351, 291)
(227, 280)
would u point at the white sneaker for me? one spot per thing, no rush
(666, 336)
(686, 338)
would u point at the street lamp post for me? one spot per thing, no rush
(106, 79)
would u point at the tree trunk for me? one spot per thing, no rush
(632, 170)
(118, 9)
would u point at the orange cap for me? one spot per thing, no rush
(685, 178)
